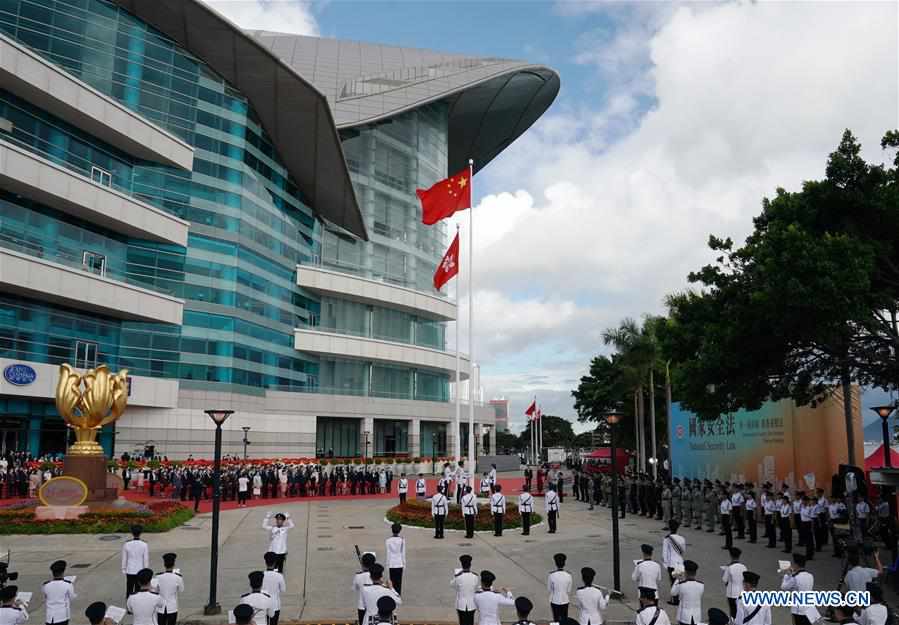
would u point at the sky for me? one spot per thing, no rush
(673, 121)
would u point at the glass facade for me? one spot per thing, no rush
(249, 224)
(433, 438)
(391, 437)
(337, 437)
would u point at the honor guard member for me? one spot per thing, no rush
(469, 511)
(144, 604)
(749, 508)
(257, 599)
(687, 503)
(488, 601)
(647, 572)
(525, 507)
(698, 505)
(466, 584)
(403, 488)
(386, 606)
(11, 611)
(273, 585)
(395, 548)
(666, 504)
(711, 507)
(498, 508)
(798, 579)
(676, 499)
(752, 615)
(770, 507)
(551, 505)
(785, 512)
(360, 580)
(485, 485)
(736, 501)
(674, 547)
(724, 509)
(439, 507)
(732, 577)
(421, 488)
(168, 584)
(590, 599)
(559, 584)
(374, 591)
(278, 536)
(58, 595)
(523, 607)
(689, 593)
(96, 614)
(243, 614)
(135, 557)
(650, 613)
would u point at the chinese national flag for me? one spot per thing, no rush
(449, 265)
(445, 197)
(531, 409)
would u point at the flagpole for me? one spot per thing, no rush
(540, 435)
(471, 389)
(533, 423)
(458, 449)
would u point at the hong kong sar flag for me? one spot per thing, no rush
(449, 265)
(445, 197)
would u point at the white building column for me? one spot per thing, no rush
(368, 425)
(415, 437)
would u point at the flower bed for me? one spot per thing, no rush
(158, 516)
(417, 513)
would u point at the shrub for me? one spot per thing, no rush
(418, 514)
(159, 516)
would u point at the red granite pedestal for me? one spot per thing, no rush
(92, 471)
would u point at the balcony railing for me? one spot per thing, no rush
(370, 274)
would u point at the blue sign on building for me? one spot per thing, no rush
(19, 375)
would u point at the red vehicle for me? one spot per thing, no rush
(600, 461)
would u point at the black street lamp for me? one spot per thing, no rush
(884, 413)
(612, 418)
(365, 435)
(246, 442)
(218, 417)
(434, 436)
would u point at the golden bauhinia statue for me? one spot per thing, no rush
(89, 401)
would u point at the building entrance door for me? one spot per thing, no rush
(12, 434)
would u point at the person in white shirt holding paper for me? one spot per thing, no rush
(260, 601)
(168, 584)
(732, 577)
(144, 604)
(466, 584)
(12, 612)
(876, 612)
(278, 536)
(751, 615)
(395, 548)
(273, 585)
(135, 557)
(374, 591)
(689, 592)
(58, 595)
(559, 583)
(797, 578)
(650, 613)
(647, 572)
(590, 599)
(674, 547)
(488, 601)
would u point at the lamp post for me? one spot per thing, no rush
(365, 436)
(612, 418)
(434, 437)
(218, 417)
(246, 442)
(884, 413)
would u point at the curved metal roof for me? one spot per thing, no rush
(492, 100)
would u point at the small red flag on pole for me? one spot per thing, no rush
(449, 265)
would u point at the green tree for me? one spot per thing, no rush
(557, 432)
(806, 306)
(507, 442)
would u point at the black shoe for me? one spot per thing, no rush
(525, 533)
(752, 542)
(770, 546)
(787, 550)
(725, 547)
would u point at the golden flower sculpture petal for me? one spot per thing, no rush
(119, 385)
(68, 395)
(88, 402)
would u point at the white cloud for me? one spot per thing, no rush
(748, 97)
(285, 16)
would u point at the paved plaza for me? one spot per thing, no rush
(321, 561)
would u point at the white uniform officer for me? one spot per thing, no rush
(144, 604)
(799, 579)
(551, 504)
(278, 536)
(751, 615)
(650, 613)
(732, 577)
(360, 581)
(374, 591)
(469, 511)
(689, 592)
(498, 509)
(395, 548)
(488, 601)
(273, 585)
(559, 584)
(260, 601)
(403, 488)
(58, 595)
(11, 611)
(439, 508)
(135, 557)
(525, 508)
(168, 584)
(421, 488)
(466, 584)
(590, 599)
(647, 572)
